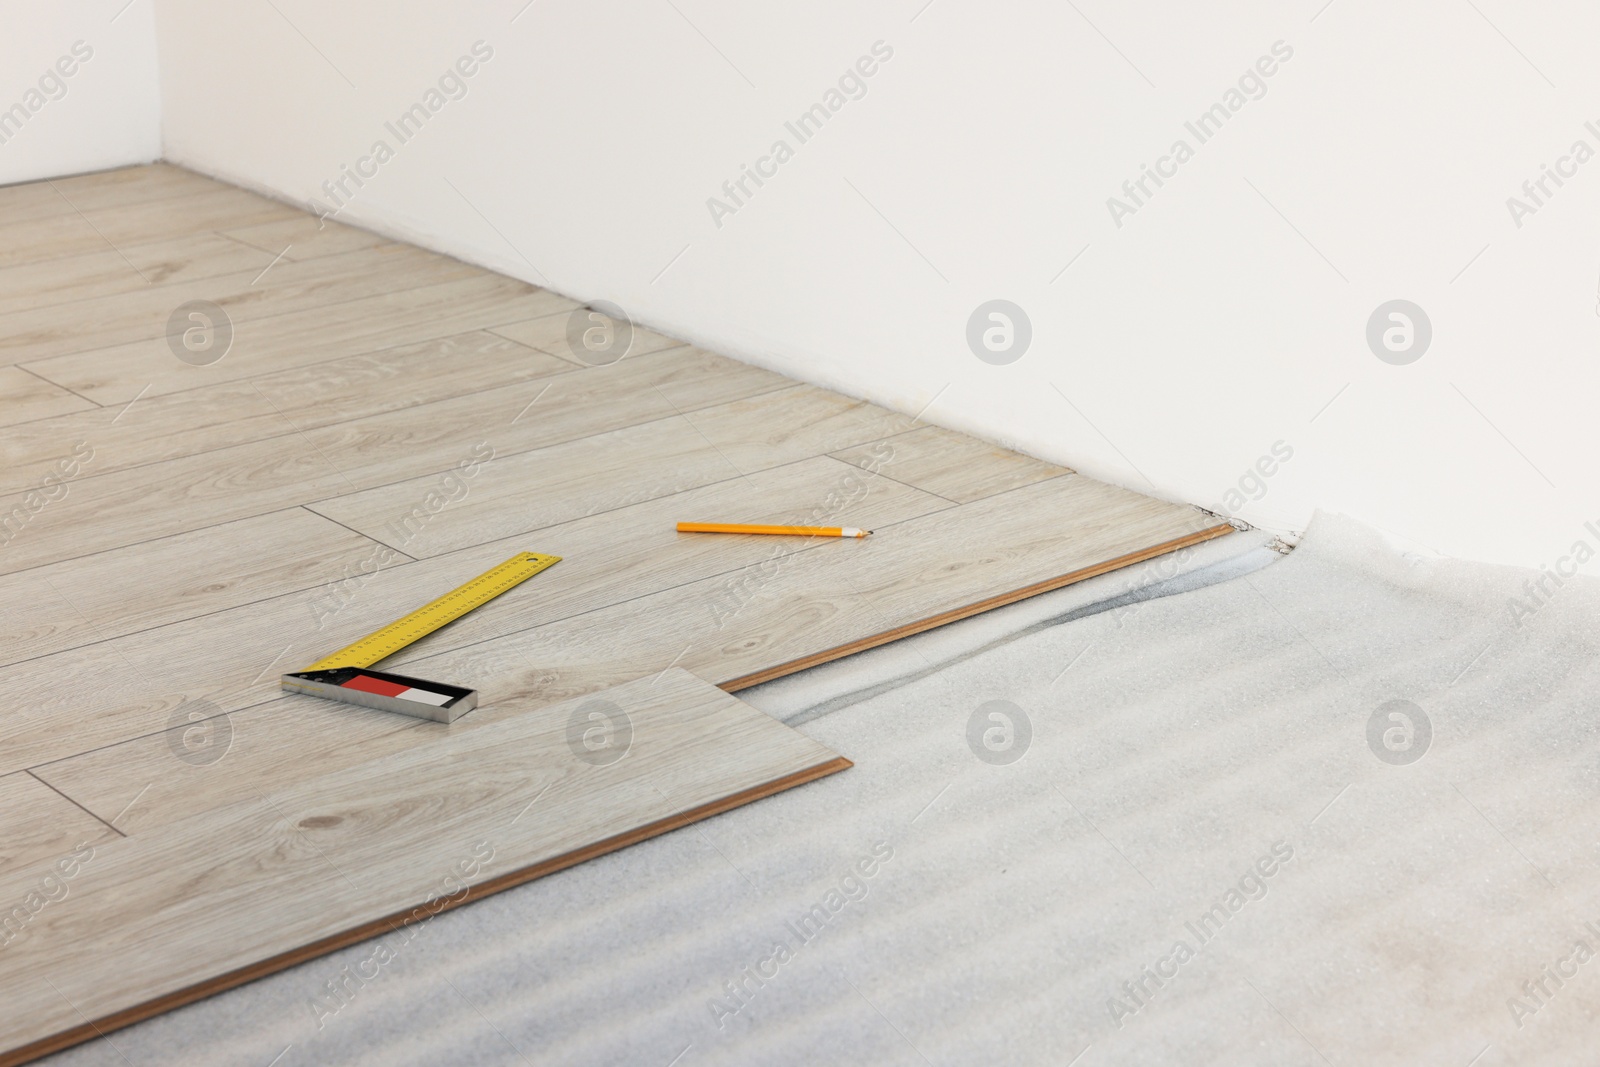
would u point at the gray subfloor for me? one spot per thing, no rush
(1217, 846)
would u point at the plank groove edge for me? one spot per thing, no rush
(999, 600)
(94, 1028)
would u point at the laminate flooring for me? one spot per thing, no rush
(385, 424)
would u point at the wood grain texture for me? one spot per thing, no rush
(100, 189)
(955, 466)
(117, 226)
(48, 237)
(160, 582)
(606, 559)
(26, 397)
(285, 289)
(125, 186)
(237, 412)
(98, 274)
(156, 220)
(121, 372)
(393, 840)
(550, 333)
(85, 514)
(305, 237)
(28, 201)
(39, 825)
(101, 511)
(531, 490)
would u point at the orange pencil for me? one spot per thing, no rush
(792, 531)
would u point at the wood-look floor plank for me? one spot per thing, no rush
(286, 289)
(115, 227)
(117, 374)
(126, 186)
(47, 237)
(29, 201)
(95, 598)
(567, 407)
(758, 613)
(100, 189)
(607, 559)
(760, 431)
(955, 466)
(109, 189)
(96, 274)
(39, 826)
(272, 405)
(306, 237)
(530, 490)
(227, 208)
(374, 843)
(97, 512)
(81, 514)
(551, 334)
(26, 397)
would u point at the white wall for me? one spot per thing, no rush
(1218, 320)
(78, 87)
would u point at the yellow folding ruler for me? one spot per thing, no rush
(344, 675)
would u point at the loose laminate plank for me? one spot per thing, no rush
(376, 846)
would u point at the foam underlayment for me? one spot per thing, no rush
(1202, 769)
